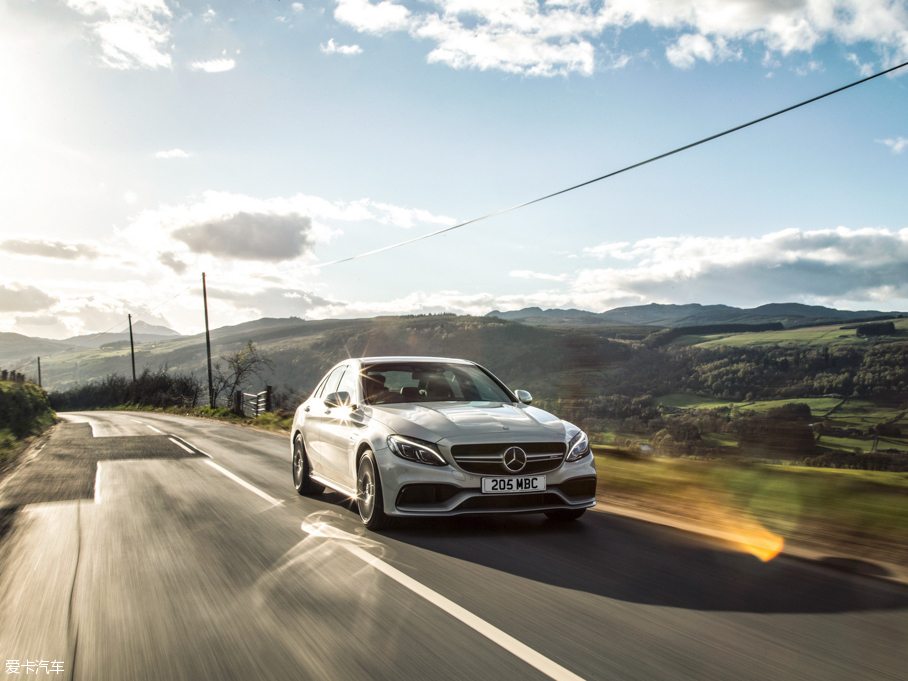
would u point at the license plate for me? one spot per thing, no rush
(513, 485)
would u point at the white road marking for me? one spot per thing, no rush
(98, 483)
(512, 645)
(181, 445)
(245, 484)
(197, 450)
(509, 643)
(154, 429)
(132, 419)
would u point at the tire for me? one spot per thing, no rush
(369, 498)
(564, 515)
(300, 468)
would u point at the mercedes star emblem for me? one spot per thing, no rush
(514, 459)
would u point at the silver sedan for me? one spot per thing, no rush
(424, 436)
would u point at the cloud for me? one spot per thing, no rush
(169, 259)
(865, 69)
(858, 265)
(690, 47)
(332, 48)
(50, 249)
(809, 68)
(273, 301)
(529, 274)
(250, 236)
(132, 33)
(897, 145)
(213, 65)
(407, 217)
(562, 37)
(297, 7)
(367, 17)
(241, 227)
(18, 298)
(173, 153)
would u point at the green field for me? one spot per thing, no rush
(816, 336)
(819, 406)
(682, 401)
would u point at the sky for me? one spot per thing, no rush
(144, 142)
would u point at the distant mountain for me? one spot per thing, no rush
(141, 333)
(694, 314)
(15, 346)
(536, 315)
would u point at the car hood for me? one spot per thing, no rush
(464, 421)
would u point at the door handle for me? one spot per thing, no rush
(306, 409)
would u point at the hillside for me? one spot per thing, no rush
(675, 316)
(15, 346)
(539, 358)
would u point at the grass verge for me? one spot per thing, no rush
(24, 412)
(280, 420)
(862, 513)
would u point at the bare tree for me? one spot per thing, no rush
(241, 367)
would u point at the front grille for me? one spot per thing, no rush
(505, 502)
(487, 459)
(421, 494)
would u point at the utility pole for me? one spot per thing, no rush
(132, 349)
(39, 372)
(208, 344)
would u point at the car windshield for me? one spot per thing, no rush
(405, 382)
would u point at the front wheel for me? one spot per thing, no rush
(369, 497)
(565, 514)
(301, 479)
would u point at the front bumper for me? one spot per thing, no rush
(412, 489)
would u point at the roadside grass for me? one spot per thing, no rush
(276, 420)
(864, 512)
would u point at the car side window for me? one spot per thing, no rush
(330, 385)
(348, 383)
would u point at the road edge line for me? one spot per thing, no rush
(494, 634)
(243, 483)
(180, 445)
(189, 444)
(98, 482)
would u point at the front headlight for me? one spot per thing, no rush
(578, 447)
(412, 449)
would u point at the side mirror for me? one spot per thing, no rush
(524, 396)
(341, 399)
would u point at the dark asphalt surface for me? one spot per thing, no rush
(171, 569)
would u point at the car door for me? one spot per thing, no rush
(340, 431)
(316, 414)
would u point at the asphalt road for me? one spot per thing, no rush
(150, 560)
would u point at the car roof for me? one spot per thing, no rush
(376, 360)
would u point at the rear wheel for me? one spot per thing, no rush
(369, 497)
(301, 480)
(565, 514)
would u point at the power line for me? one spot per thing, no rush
(615, 172)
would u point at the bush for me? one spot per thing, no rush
(158, 389)
(862, 462)
(24, 409)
